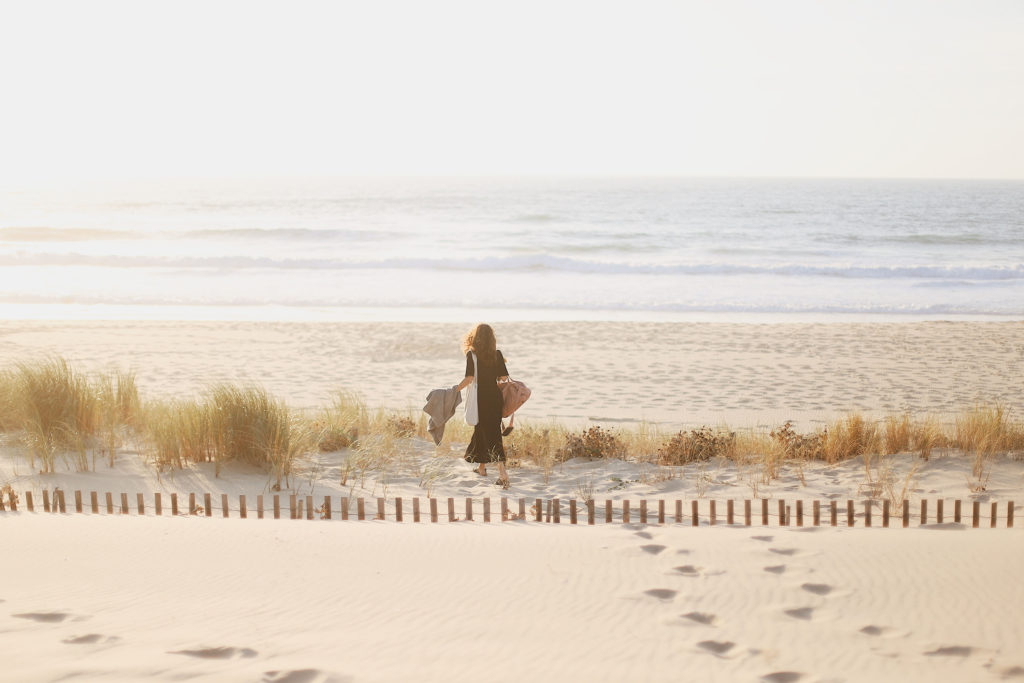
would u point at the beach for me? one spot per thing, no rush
(122, 593)
(614, 373)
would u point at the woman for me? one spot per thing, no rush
(486, 446)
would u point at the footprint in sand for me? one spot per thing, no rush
(766, 539)
(661, 593)
(873, 630)
(216, 652)
(644, 534)
(951, 651)
(89, 639)
(782, 677)
(800, 612)
(1014, 672)
(776, 569)
(716, 647)
(817, 588)
(652, 548)
(44, 617)
(299, 676)
(702, 618)
(688, 570)
(783, 551)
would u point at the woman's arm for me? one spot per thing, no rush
(465, 383)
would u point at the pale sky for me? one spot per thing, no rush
(893, 88)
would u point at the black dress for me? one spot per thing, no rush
(486, 446)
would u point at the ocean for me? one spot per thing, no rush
(515, 248)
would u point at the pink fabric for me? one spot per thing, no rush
(514, 393)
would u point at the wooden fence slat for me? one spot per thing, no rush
(557, 508)
(992, 516)
(345, 503)
(224, 504)
(360, 509)
(174, 504)
(661, 511)
(729, 518)
(938, 511)
(327, 509)
(433, 509)
(140, 503)
(833, 512)
(504, 509)
(398, 509)
(2, 508)
(957, 512)
(124, 503)
(885, 513)
(59, 494)
(643, 511)
(764, 512)
(28, 502)
(158, 503)
(299, 508)
(538, 510)
(46, 500)
(789, 515)
(849, 513)
(259, 506)
(625, 512)
(607, 512)
(800, 512)
(1009, 514)
(679, 511)
(694, 519)
(924, 512)
(590, 512)
(78, 501)
(242, 511)
(547, 517)
(451, 510)
(746, 512)
(469, 509)
(712, 513)
(782, 513)
(277, 506)
(816, 512)
(906, 513)
(293, 506)
(416, 509)
(976, 514)
(309, 508)
(572, 511)
(522, 509)
(867, 512)
(487, 509)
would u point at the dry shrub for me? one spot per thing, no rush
(697, 445)
(339, 425)
(799, 446)
(591, 444)
(849, 437)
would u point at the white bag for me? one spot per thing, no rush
(472, 408)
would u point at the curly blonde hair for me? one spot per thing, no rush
(481, 340)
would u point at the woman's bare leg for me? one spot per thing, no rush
(482, 470)
(502, 473)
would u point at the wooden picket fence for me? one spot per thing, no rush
(785, 513)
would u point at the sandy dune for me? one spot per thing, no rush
(123, 599)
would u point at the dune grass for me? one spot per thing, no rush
(58, 411)
(63, 412)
